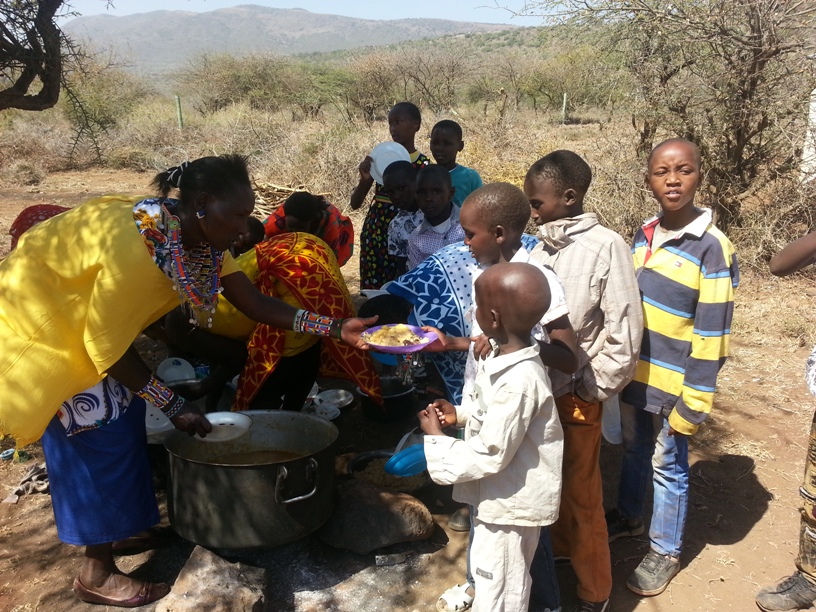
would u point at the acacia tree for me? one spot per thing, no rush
(373, 85)
(733, 75)
(30, 52)
(433, 75)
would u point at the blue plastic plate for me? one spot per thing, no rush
(408, 462)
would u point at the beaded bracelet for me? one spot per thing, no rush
(160, 395)
(175, 408)
(312, 323)
(337, 328)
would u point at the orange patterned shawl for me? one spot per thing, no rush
(306, 266)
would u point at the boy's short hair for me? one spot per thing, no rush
(521, 293)
(435, 171)
(409, 108)
(697, 155)
(500, 204)
(449, 125)
(399, 168)
(566, 170)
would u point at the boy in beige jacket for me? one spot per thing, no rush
(595, 266)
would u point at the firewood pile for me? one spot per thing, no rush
(269, 196)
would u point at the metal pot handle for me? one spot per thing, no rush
(311, 471)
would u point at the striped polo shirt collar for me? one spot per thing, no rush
(696, 228)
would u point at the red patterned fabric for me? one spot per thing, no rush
(30, 217)
(303, 264)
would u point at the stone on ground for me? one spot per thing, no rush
(208, 582)
(367, 518)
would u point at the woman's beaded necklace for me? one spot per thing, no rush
(194, 271)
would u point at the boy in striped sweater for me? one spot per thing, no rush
(687, 273)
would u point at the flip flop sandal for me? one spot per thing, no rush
(150, 592)
(455, 599)
(35, 481)
(35, 472)
(460, 519)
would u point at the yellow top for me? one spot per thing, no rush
(74, 294)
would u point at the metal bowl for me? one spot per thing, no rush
(334, 397)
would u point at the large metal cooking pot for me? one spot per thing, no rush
(250, 505)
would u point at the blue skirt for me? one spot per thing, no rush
(101, 481)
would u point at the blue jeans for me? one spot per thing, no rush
(545, 584)
(645, 439)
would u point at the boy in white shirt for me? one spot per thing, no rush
(508, 467)
(440, 218)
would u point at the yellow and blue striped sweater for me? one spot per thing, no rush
(687, 290)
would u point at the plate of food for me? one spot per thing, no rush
(385, 154)
(399, 338)
(370, 466)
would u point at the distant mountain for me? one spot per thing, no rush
(163, 41)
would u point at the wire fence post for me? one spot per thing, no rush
(178, 113)
(564, 110)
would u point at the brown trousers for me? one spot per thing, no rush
(580, 531)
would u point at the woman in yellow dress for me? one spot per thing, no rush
(74, 294)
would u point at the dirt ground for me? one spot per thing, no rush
(743, 520)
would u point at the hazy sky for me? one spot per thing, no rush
(485, 11)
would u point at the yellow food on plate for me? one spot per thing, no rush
(394, 335)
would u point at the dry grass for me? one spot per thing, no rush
(323, 154)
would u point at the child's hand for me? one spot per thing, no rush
(440, 345)
(365, 169)
(482, 347)
(429, 422)
(445, 412)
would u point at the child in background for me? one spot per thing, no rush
(254, 235)
(314, 214)
(687, 273)
(508, 467)
(595, 265)
(399, 181)
(798, 591)
(31, 216)
(446, 143)
(377, 267)
(440, 218)
(494, 218)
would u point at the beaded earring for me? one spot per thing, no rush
(200, 213)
